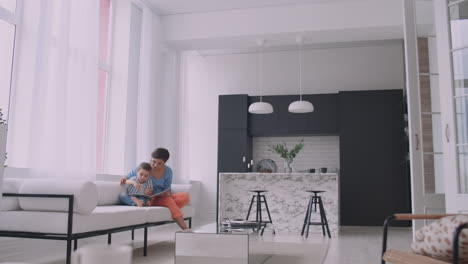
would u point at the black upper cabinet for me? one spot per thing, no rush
(373, 179)
(323, 121)
(233, 111)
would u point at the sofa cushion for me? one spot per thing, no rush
(102, 218)
(435, 240)
(11, 185)
(108, 192)
(85, 195)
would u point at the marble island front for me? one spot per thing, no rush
(286, 197)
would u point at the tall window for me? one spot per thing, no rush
(8, 22)
(458, 11)
(105, 13)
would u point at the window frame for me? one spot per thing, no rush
(15, 20)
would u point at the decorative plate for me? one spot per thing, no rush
(266, 165)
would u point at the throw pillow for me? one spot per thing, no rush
(435, 240)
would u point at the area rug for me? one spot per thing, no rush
(285, 250)
(261, 252)
(290, 253)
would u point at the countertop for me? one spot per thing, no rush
(287, 197)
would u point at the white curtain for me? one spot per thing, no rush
(133, 119)
(158, 100)
(148, 83)
(170, 102)
(52, 127)
(158, 96)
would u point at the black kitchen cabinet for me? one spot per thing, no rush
(323, 121)
(234, 141)
(233, 111)
(234, 150)
(374, 182)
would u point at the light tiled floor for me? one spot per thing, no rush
(357, 245)
(353, 245)
(364, 244)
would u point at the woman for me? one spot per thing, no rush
(161, 177)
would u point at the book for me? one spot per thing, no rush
(138, 195)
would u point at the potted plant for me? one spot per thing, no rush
(286, 154)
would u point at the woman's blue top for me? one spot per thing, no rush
(158, 185)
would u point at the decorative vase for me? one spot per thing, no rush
(287, 166)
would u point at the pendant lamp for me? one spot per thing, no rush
(300, 106)
(261, 107)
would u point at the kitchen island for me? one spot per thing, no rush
(286, 197)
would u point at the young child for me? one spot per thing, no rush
(138, 185)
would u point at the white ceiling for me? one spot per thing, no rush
(194, 35)
(171, 7)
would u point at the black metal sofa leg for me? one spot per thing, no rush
(145, 242)
(69, 247)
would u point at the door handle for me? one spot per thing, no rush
(417, 141)
(243, 159)
(447, 133)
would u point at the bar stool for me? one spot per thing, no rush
(258, 218)
(315, 200)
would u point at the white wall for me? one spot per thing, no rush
(325, 71)
(318, 152)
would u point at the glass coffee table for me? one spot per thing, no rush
(230, 246)
(211, 248)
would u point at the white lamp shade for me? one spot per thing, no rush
(260, 108)
(301, 107)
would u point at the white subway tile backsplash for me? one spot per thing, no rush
(318, 152)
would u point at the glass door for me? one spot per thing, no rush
(458, 12)
(424, 112)
(431, 126)
(8, 21)
(452, 27)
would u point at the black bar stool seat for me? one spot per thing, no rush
(259, 198)
(315, 199)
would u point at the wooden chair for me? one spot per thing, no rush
(401, 257)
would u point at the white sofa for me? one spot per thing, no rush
(71, 210)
